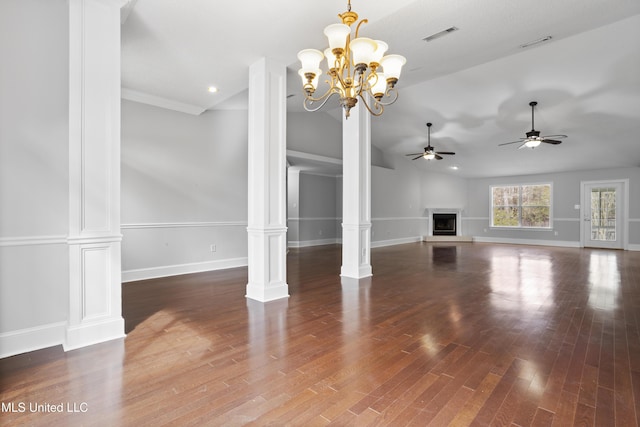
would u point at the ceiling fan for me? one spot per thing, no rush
(533, 138)
(430, 152)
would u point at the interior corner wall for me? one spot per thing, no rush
(396, 205)
(184, 191)
(566, 195)
(34, 174)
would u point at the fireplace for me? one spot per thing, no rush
(444, 224)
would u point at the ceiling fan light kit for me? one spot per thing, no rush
(429, 152)
(353, 69)
(533, 138)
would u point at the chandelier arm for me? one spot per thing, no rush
(343, 87)
(366, 85)
(378, 108)
(332, 89)
(390, 93)
(358, 85)
(364, 21)
(308, 101)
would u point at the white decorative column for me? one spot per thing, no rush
(95, 301)
(356, 193)
(267, 229)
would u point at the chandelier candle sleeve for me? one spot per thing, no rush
(357, 69)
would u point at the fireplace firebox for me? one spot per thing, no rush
(444, 224)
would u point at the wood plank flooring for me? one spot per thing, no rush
(461, 334)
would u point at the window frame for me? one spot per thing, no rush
(519, 207)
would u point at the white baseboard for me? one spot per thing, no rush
(30, 339)
(447, 239)
(633, 247)
(306, 243)
(338, 241)
(175, 270)
(94, 332)
(393, 242)
(561, 243)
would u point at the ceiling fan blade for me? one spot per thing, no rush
(552, 141)
(512, 142)
(554, 136)
(414, 154)
(446, 152)
(438, 157)
(416, 158)
(522, 146)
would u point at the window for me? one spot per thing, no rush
(521, 206)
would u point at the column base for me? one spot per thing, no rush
(356, 256)
(360, 272)
(262, 294)
(93, 333)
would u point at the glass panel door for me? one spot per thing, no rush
(603, 214)
(602, 228)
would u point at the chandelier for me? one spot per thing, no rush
(353, 69)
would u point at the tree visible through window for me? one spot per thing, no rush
(521, 206)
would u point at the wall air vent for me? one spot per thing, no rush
(535, 42)
(432, 37)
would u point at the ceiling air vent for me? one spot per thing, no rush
(432, 37)
(534, 42)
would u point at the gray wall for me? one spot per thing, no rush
(566, 194)
(314, 133)
(34, 159)
(184, 189)
(318, 208)
(396, 203)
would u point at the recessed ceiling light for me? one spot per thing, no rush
(212, 89)
(455, 168)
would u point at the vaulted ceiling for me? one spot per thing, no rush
(474, 84)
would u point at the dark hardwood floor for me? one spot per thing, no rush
(442, 334)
